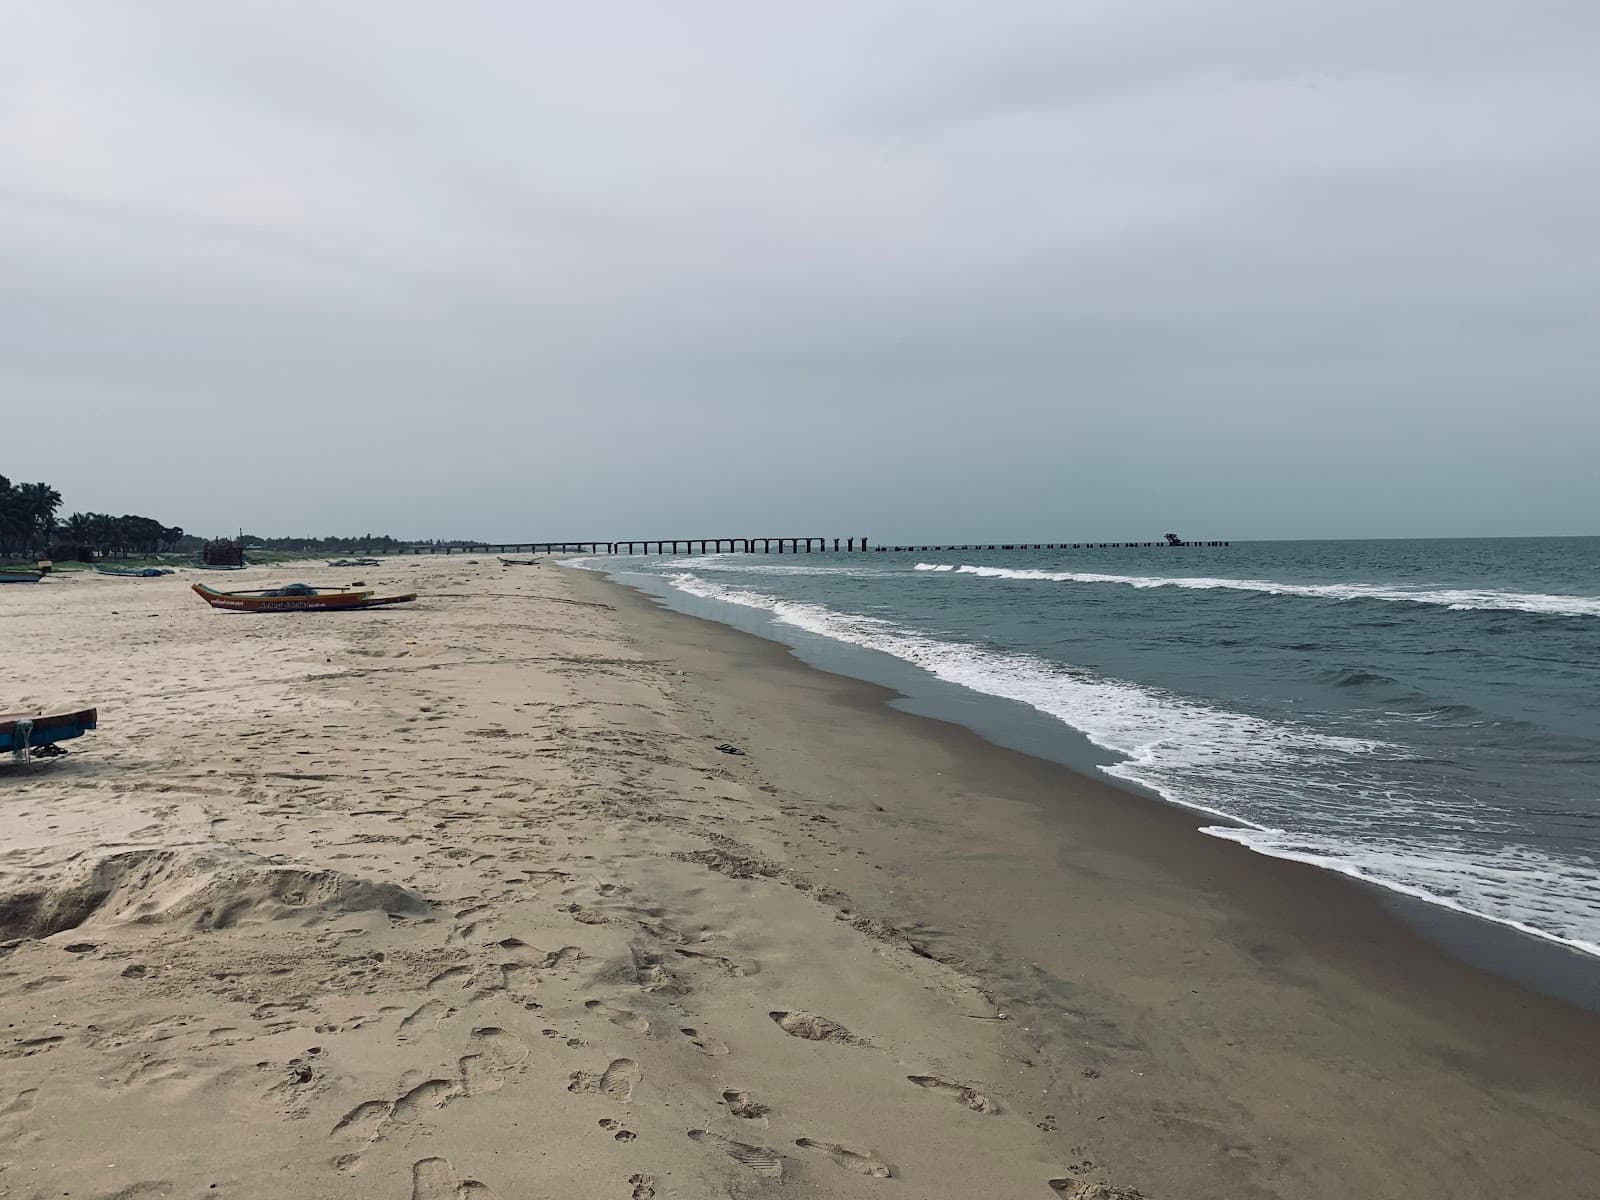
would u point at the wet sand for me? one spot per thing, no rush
(1199, 1018)
(463, 900)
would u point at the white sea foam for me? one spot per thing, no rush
(1459, 599)
(1162, 735)
(744, 566)
(1517, 886)
(1239, 767)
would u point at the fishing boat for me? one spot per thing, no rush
(21, 576)
(218, 566)
(22, 733)
(519, 562)
(298, 597)
(133, 572)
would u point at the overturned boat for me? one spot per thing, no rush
(23, 733)
(299, 597)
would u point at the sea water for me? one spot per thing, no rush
(1422, 715)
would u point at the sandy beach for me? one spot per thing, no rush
(536, 890)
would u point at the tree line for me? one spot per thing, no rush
(30, 528)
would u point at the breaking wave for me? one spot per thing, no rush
(1457, 599)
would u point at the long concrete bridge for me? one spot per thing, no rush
(767, 545)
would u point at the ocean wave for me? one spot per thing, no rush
(1516, 886)
(1457, 599)
(1162, 735)
(742, 565)
(1256, 772)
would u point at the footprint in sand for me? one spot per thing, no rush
(1083, 1189)
(427, 1097)
(617, 1080)
(737, 968)
(970, 1097)
(425, 1016)
(644, 1187)
(858, 1162)
(815, 1029)
(623, 1018)
(462, 934)
(499, 1052)
(704, 1043)
(365, 1121)
(21, 1104)
(743, 1105)
(758, 1158)
(451, 980)
(435, 1179)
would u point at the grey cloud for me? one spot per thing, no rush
(913, 269)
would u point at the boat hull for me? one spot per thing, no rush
(46, 728)
(327, 602)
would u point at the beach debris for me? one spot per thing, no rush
(730, 748)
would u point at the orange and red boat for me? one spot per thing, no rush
(298, 597)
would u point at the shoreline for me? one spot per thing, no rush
(1291, 960)
(1544, 963)
(470, 899)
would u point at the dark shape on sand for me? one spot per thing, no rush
(22, 733)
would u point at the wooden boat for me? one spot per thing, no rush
(519, 562)
(21, 576)
(298, 598)
(21, 733)
(214, 567)
(133, 572)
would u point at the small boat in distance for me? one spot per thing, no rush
(21, 576)
(133, 572)
(21, 733)
(298, 597)
(355, 562)
(519, 562)
(217, 567)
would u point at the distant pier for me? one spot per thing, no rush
(771, 545)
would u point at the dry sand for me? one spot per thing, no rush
(463, 900)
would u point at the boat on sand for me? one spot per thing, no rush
(22, 733)
(298, 597)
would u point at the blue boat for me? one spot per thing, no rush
(22, 733)
(134, 572)
(21, 576)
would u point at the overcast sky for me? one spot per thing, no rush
(1241, 268)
